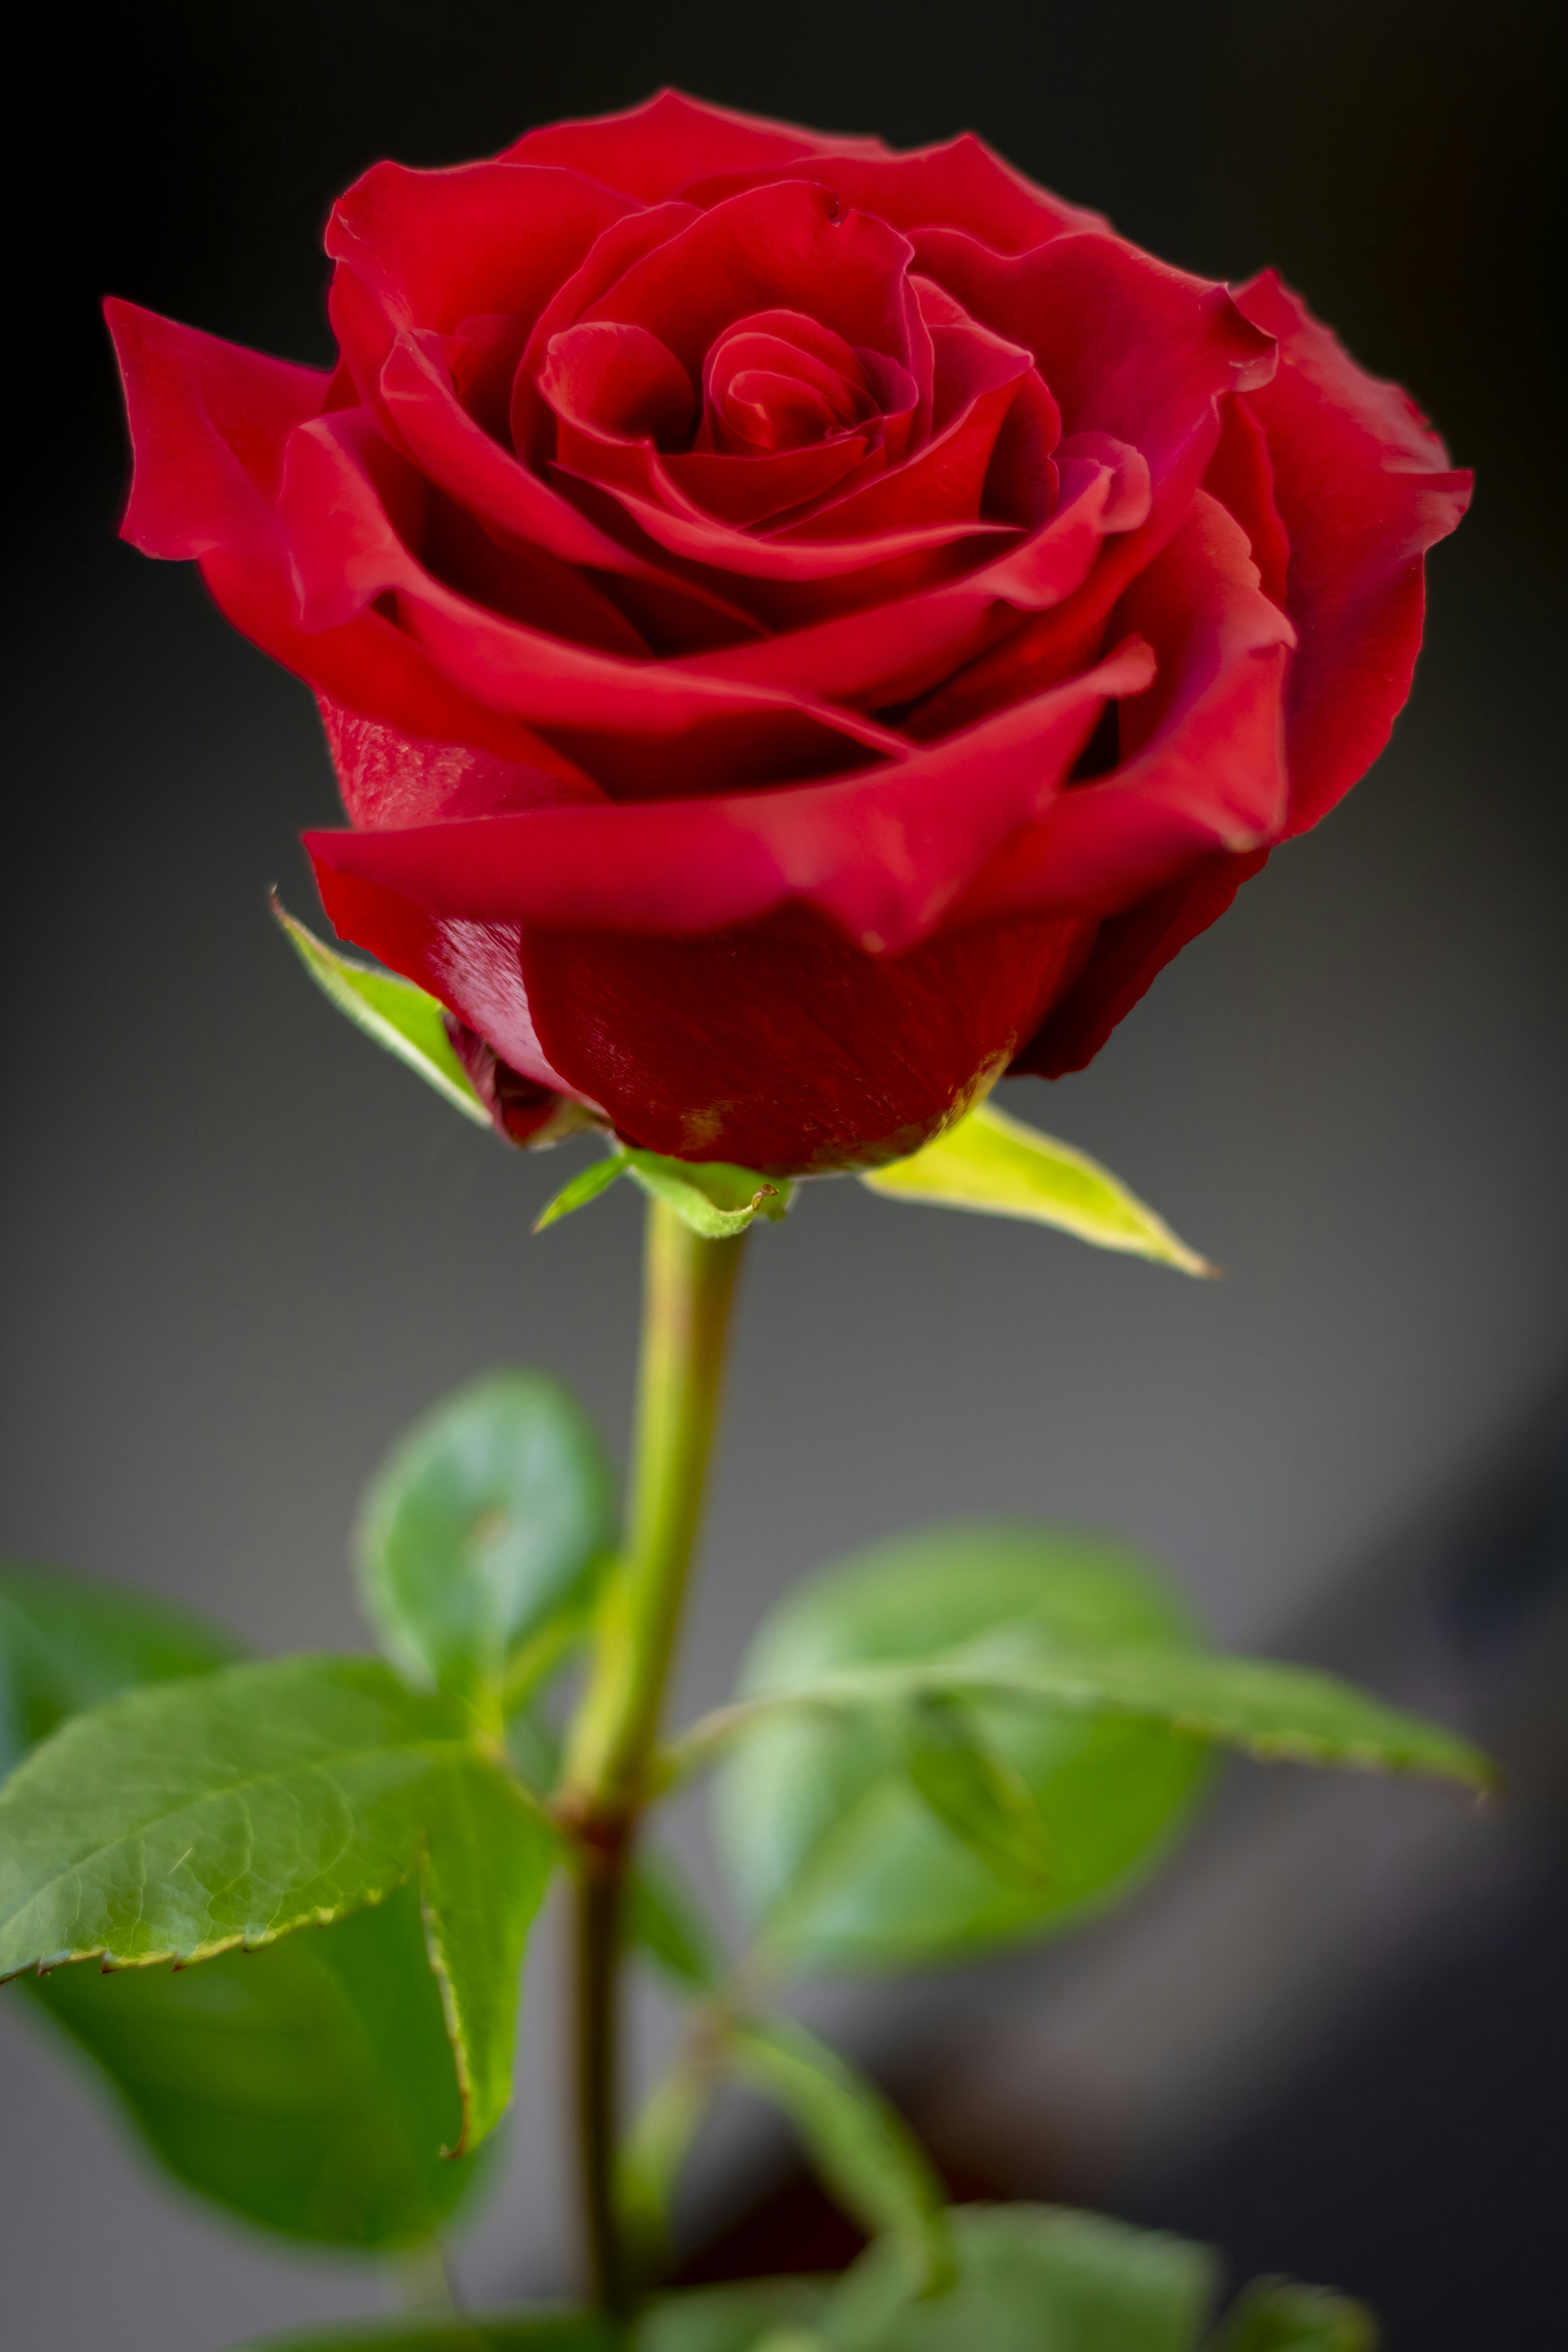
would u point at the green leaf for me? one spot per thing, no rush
(867, 2157)
(182, 1820)
(832, 1849)
(663, 1921)
(585, 1186)
(715, 1198)
(307, 2086)
(70, 1642)
(975, 1788)
(1265, 1710)
(1001, 1168)
(1278, 2315)
(518, 2331)
(1030, 2277)
(648, 2161)
(398, 1016)
(488, 1521)
(736, 2318)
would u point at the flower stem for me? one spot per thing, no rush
(688, 1287)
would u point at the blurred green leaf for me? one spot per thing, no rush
(864, 2151)
(70, 1642)
(832, 1849)
(663, 1920)
(518, 2331)
(488, 1520)
(1031, 2278)
(183, 1818)
(399, 1016)
(1001, 1168)
(977, 1791)
(1278, 2315)
(307, 2086)
(651, 2154)
(731, 2319)
(1276, 1712)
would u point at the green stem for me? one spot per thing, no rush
(687, 1291)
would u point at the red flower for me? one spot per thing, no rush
(801, 629)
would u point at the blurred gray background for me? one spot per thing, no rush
(242, 1249)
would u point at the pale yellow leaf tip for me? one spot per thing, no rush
(996, 1166)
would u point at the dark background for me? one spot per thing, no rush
(241, 1250)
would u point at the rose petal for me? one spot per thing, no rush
(452, 449)
(433, 248)
(1241, 478)
(962, 184)
(883, 855)
(651, 150)
(211, 422)
(1128, 952)
(783, 246)
(208, 424)
(977, 376)
(605, 263)
(1364, 487)
(338, 484)
(389, 779)
(1202, 766)
(619, 382)
(682, 1040)
(888, 653)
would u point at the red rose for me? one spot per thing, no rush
(801, 629)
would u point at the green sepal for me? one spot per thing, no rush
(185, 1819)
(70, 1642)
(1000, 1168)
(864, 2151)
(307, 2086)
(400, 1017)
(716, 1199)
(585, 1186)
(1278, 2315)
(1028, 2276)
(485, 1531)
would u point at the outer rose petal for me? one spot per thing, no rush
(781, 1045)
(777, 1044)
(1202, 766)
(211, 422)
(432, 248)
(961, 185)
(885, 856)
(1364, 488)
(1129, 953)
(334, 504)
(652, 150)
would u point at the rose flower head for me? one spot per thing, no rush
(801, 629)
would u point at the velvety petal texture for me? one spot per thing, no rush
(801, 629)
